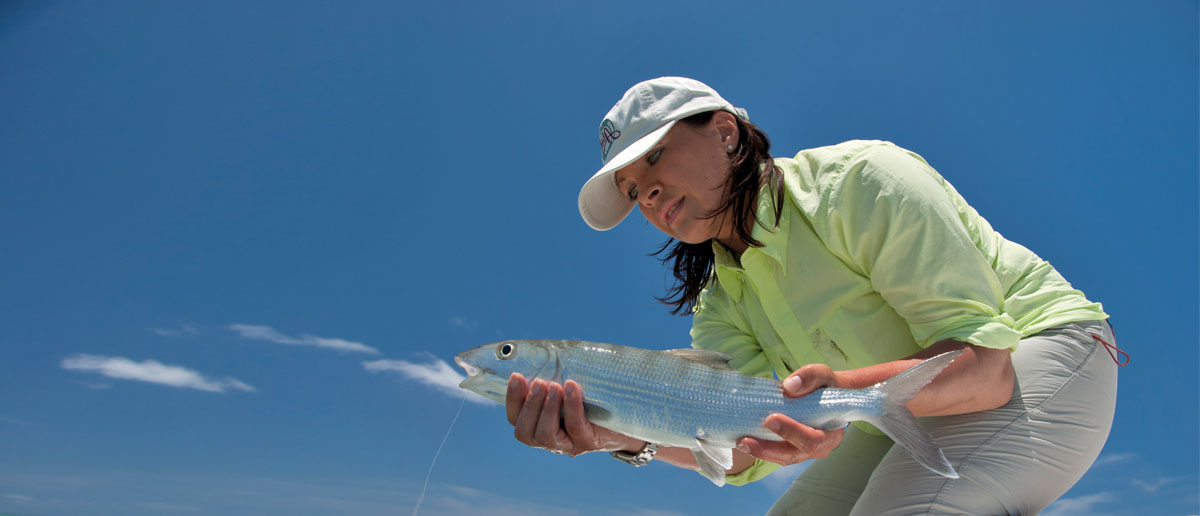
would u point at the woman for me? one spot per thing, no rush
(841, 268)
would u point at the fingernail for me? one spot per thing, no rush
(743, 447)
(536, 388)
(773, 426)
(568, 389)
(792, 384)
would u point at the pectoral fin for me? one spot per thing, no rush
(713, 460)
(596, 413)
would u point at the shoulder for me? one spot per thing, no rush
(839, 153)
(823, 171)
(830, 160)
(814, 176)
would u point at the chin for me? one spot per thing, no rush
(688, 237)
(693, 240)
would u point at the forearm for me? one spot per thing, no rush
(683, 457)
(980, 379)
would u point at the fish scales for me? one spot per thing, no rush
(694, 399)
(666, 392)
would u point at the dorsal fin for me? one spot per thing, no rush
(708, 357)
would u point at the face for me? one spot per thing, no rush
(680, 182)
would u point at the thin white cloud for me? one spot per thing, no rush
(18, 497)
(1078, 506)
(451, 500)
(463, 323)
(150, 371)
(269, 334)
(1153, 486)
(497, 505)
(464, 490)
(437, 374)
(185, 330)
(1113, 457)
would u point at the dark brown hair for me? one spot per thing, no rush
(750, 166)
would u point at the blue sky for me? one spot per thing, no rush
(240, 239)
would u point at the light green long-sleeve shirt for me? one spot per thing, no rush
(875, 256)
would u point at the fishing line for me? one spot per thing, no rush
(435, 457)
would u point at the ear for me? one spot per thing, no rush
(727, 128)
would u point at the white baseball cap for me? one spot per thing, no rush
(638, 121)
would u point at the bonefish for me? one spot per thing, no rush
(693, 398)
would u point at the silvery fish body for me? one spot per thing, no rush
(692, 398)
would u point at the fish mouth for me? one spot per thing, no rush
(482, 381)
(470, 369)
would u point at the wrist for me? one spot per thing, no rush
(630, 445)
(837, 380)
(641, 457)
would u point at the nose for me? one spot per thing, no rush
(650, 196)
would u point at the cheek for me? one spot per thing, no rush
(710, 183)
(718, 171)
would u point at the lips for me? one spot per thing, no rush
(670, 211)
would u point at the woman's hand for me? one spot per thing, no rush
(548, 415)
(800, 442)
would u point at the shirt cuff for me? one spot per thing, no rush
(997, 333)
(757, 471)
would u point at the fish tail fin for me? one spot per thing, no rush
(900, 424)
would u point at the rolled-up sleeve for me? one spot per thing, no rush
(897, 220)
(717, 325)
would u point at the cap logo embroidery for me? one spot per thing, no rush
(608, 135)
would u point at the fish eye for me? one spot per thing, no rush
(506, 351)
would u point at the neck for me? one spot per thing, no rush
(735, 244)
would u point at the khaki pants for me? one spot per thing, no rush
(1015, 459)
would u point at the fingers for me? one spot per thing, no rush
(779, 453)
(549, 415)
(549, 432)
(531, 411)
(514, 399)
(800, 442)
(575, 420)
(536, 417)
(808, 379)
(812, 443)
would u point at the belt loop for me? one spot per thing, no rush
(1109, 348)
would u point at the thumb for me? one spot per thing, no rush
(807, 379)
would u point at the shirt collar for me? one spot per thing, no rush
(774, 236)
(728, 269)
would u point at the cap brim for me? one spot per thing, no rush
(601, 203)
